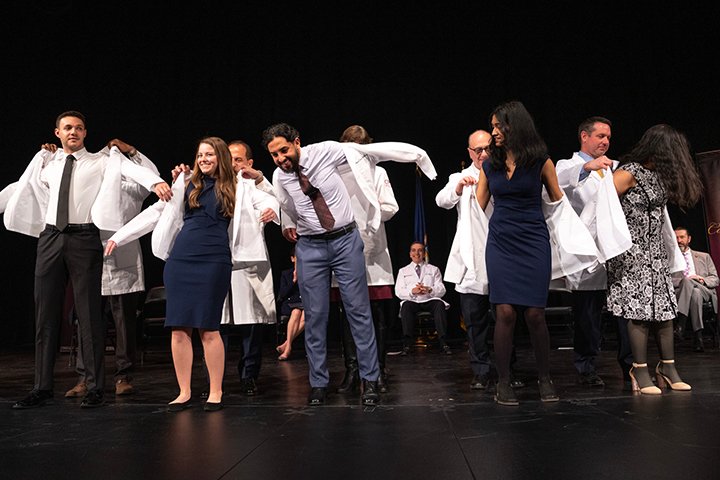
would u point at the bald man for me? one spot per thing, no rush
(470, 281)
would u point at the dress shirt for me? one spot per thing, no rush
(584, 173)
(691, 264)
(319, 161)
(85, 184)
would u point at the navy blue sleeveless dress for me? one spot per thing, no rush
(518, 246)
(197, 272)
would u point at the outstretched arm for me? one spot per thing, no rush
(550, 180)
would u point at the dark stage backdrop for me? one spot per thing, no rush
(160, 76)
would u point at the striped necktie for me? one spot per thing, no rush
(318, 201)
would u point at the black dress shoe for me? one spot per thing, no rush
(382, 384)
(249, 387)
(405, 351)
(317, 396)
(370, 396)
(93, 399)
(698, 343)
(178, 406)
(445, 349)
(212, 406)
(350, 382)
(36, 398)
(480, 382)
(591, 379)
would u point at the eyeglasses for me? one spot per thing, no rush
(480, 150)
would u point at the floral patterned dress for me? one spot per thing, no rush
(639, 282)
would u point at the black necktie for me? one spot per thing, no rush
(417, 270)
(61, 220)
(318, 201)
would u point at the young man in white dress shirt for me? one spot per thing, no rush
(320, 251)
(70, 248)
(313, 185)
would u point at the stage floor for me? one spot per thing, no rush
(429, 425)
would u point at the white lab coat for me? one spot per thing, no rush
(430, 276)
(123, 271)
(595, 200)
(26, 207)
(466, 260)
(252, 297)
(379, 270)
(165, 220)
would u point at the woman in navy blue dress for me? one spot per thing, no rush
(197, 272)
(518, 246)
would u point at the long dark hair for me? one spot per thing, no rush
(667, 152)
(521, 137)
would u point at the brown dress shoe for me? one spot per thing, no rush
(124, 387)
(79, 390)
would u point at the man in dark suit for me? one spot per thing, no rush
(694, 286)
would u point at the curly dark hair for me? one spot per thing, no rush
(666, 151)
(284, 130)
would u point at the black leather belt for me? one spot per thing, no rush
(337, 233)
(76, 227)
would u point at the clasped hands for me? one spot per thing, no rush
(421, 289)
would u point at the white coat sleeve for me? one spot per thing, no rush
(447, 198)
(143, 223)
(386, 197)
(438, 287)
(568, 171)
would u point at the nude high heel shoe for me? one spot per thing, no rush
(667, 376)
(647, 388)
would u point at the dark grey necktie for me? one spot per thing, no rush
(318, 201)
(61, 220)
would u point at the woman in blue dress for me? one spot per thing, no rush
(518, 254)
(198, 269)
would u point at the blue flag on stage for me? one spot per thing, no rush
(420, 230)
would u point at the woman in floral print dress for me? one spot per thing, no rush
(659, 169)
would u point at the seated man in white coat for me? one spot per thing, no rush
(420, 288)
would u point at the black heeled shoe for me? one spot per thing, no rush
(350, 382)
(504, 394)
(547, 390)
